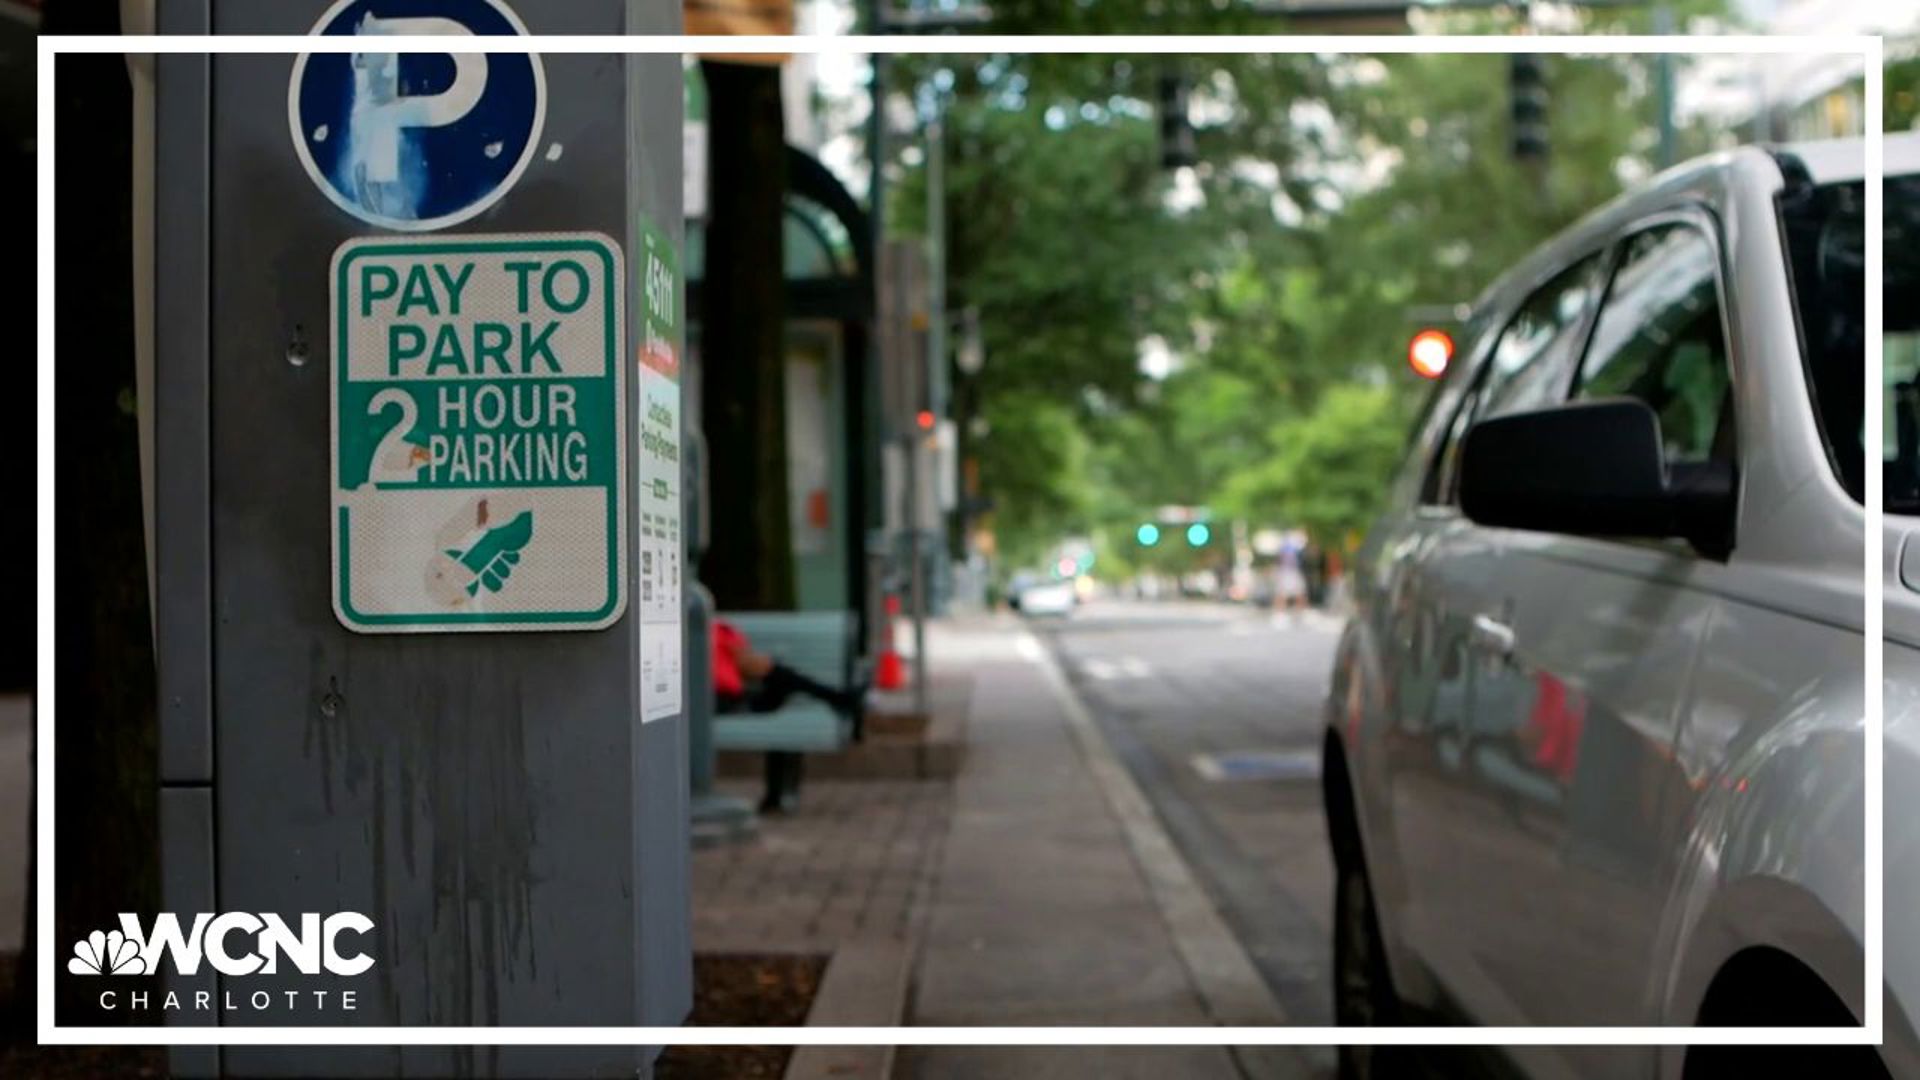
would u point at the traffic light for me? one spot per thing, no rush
(1148, 534)
(1176, 128)
(1198, 534)
(1529, 91)
(1429, 352)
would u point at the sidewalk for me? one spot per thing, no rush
(844, 877)
(1059, 900)
(848, 863)
(1036, 889)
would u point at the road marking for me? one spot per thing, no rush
(1242, 765)
(1217, 963)
(1322, 622)
(1127, 667)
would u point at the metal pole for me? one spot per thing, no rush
(936, 376)
(539, 867)
(939, 358)
(877, 126)
(937, 381)
(1663, 74)
(917, 577)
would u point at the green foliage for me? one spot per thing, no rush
(1325, 471)
(1333, 194)
(1032, 506)
(1056, 229)
(1902, 90)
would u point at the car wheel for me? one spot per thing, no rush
(1363, 994)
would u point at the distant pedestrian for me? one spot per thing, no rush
(1290, 580)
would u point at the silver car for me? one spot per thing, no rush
(1595, 744)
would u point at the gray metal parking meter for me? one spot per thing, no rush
(418, 516)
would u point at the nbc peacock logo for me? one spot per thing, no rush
(108, 953)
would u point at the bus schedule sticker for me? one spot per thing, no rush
(661, 542)
(479, 433)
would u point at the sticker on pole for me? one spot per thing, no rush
(479, 433)
(416, 141)
(662, 618)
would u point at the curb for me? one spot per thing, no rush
(1223, 975)
(865, 985)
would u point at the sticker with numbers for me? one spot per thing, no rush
(662, 617)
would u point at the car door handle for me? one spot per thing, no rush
(1492, 635)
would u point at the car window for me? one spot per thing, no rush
(1826, 246)
(1659, 338)
(1527, 367)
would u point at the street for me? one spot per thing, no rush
(1215, 711)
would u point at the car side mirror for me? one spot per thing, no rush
(1593, 468)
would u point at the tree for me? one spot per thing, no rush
(1034, 506)
(1332, 194)
(1902, 89)
(1326, 471)
(1058, 237)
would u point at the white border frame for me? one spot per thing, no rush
(1870, 1033)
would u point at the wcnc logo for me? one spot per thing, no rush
(315, 948)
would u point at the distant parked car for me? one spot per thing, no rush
(1594, 748)
(1200, 584)
(1044, 596)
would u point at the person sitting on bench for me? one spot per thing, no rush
(748, 681)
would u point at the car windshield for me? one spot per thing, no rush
(1826, 243)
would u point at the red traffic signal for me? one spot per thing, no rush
(1429, 353)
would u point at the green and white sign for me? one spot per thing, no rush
(660, 540)
(479, 433)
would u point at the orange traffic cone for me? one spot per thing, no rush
(890, 673)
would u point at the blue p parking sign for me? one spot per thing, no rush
(416, 141)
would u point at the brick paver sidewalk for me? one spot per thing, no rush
(854, 860)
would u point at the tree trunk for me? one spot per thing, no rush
(749, 560)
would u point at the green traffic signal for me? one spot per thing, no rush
(1148, 534)
(1198, 534)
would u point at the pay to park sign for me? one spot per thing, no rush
(479, 433)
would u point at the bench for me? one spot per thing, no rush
(820, 645)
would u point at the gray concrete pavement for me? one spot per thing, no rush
(1063, 894)
(1216, 710)
(1040, 914)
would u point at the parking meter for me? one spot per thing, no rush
(418, 530)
